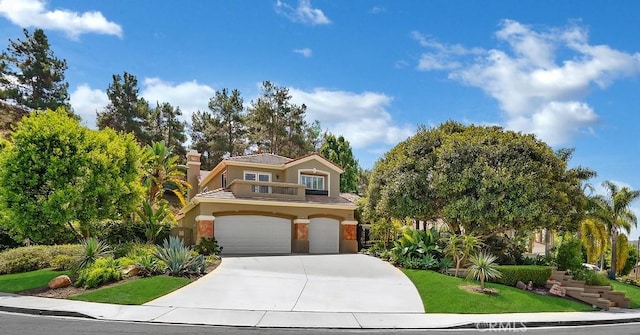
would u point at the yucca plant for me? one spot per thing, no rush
(179, 259)
(483, 267)
(93, 249)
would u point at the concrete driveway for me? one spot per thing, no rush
(310, 283)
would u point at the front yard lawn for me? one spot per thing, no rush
(136, 292)
(632, 292)
(442, 294)
(18, 282)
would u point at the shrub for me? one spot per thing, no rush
(93, 249)
(64, 262)
(483, 267)
(208, 246)
(125, 262)
(591, 277)
(415, 244)
(511, 274)
(630, 280)
(149, 265)
(33, 258)
(569, 255)
(102, 271)
(426, 262)
(179, 259)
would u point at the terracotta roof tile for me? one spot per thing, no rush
(321, 199)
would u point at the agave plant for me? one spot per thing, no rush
(93, 249)
(179, 258)
(483, 267)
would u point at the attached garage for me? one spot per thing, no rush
(324, 236)
(253, 234)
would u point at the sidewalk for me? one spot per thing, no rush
(281, 319)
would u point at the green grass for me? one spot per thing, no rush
(631, 291)
(135, 292)
(18, 282)
(442, 294)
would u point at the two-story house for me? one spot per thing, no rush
(269, 204)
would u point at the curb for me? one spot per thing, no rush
(46, 312)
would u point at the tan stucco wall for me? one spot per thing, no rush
(334, 177)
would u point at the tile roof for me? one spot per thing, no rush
(317, 199)
(267, 159)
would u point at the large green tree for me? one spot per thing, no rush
(612, 210)
(31, 75)
(338, 150)
(483, 180)
(126, 111)
(163, 124)
(202, 131)
(57, 176)
(276, 125)
(228, 123)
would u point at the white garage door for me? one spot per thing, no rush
(324, 236)
(253, 234)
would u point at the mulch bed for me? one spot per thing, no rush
(478, 289)
(66, 292)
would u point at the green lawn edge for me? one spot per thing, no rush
(136, 292)
(631, 291)
(442, 294)
(25, 281)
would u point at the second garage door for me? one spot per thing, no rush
(324, 236)
(253, 234)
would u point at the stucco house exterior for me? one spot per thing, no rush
(269, 204)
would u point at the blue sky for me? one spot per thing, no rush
(371, 70)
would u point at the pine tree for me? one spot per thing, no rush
(163, 125)
(228, 123)
(31, 76)
(126, 111)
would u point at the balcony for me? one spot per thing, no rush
(265, 189)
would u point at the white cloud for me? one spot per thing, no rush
(539, 91)
(306, 52)
(86, 102)
(361, 118)
(33, 13)
(304, 13)
(377, 10)
(190, 96)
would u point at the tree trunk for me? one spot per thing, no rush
(547, 237)
(614, 258)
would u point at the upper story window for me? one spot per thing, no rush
(224, 179)
(258, 176)
(313, 182)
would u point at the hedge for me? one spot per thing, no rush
(511, 274)
(36, 257)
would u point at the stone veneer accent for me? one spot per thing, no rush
(205, 227)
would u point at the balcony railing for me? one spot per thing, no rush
(263, 189)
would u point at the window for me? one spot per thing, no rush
(259, 176)
(224, 179)
(313, 182)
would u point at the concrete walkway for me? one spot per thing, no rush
(306, 283)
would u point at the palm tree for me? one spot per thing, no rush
(460, 247)
(483, 267)
(613, 212)
(163, 173)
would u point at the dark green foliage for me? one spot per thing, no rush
(338, 150)
(32, 258)
(6, 242)
(116, 233)
(569, 256)
(64, 262)
(163, 125)
(179, 259)
(31, 75)
(126, 111)
(511, 274)
(591, 277)
(208, 246)
(102, 271)
(509, 250)
(538, 260)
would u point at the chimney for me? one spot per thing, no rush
(193, 172)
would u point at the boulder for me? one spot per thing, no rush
(131, 271)
(521, 285)
(59, 282)
(530, 286)
(558, 290)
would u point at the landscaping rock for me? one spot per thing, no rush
(521, 285)
(558, 290)
(59, 282)
(530, 286)
(131, 271)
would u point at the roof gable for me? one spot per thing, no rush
(317, 157)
